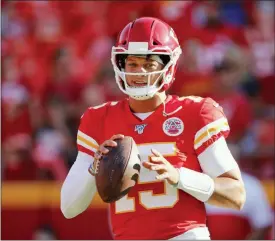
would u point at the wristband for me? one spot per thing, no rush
(198, 185)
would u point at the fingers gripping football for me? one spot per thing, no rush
(111, 143)
(118, 168)
(102, 150)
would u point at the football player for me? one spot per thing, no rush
(186, 161)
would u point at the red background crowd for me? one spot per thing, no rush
(56, 63)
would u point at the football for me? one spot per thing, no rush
(118, 170)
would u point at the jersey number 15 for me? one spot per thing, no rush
(147, 198)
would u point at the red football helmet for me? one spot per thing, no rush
(146, 36)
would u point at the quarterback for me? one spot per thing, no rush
(182, 142)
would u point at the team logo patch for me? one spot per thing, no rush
(140, 128)
(173, 126)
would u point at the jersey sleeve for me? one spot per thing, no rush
(210, 145)
(212, 125)
(88, 132)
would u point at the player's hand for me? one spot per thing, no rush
(111, 143)
(102, 150)
(164, 168)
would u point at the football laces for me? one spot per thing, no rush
(94, 167)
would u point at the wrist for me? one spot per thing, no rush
(177, 178)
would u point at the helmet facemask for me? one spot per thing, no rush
(169, 59)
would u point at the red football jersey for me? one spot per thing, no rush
(154, 209)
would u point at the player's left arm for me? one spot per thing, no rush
(216, 160)
(228, 191)
(221, 182)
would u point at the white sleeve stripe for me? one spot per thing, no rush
(81, 143)
(215, 123)
(88, 138)
(217, 159)
(208, 135)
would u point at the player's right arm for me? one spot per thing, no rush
(79, 186)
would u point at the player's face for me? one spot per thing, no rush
(141, 65)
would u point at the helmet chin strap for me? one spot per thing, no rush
(155, 87)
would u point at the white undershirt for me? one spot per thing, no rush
(143, 116)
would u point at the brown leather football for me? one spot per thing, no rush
(118, 170)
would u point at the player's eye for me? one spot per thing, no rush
(150, 66)
(132, 64)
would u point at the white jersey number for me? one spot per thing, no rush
(147, 198)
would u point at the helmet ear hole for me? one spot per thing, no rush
(165, 59)
(155, 43)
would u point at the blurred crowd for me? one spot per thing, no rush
(56, 63)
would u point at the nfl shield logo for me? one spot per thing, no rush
(140, 128)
